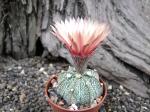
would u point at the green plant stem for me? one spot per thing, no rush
(80, 64)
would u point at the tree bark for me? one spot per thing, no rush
(2, 18)
(124, 56)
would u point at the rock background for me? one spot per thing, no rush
(123, 57)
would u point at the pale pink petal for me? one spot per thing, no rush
(81, 36)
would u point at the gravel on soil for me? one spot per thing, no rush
(22, 87)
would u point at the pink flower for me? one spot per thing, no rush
(80, 36)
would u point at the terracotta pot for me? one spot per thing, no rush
(57, 108)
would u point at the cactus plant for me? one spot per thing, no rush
(79, 89)
(81, 37)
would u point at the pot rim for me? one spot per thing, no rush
(54, 76)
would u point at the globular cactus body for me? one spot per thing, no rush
(79, 89)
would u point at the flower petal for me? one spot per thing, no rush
(81, 36)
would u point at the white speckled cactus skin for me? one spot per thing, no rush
(79, 89)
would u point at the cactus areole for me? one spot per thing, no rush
(79, 85)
